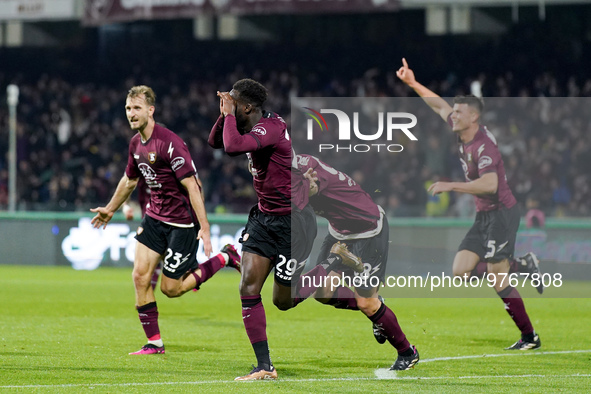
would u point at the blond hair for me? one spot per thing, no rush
(147, 91)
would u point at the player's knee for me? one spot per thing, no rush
(283, 305)
(459, 271)
(140, 280)
(369, 306)
(250, 285)
(170, 292)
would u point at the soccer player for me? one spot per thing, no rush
(244, 127)
(356, 221)
(175, 218)
(492, 237)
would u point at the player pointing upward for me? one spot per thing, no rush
(492, 237)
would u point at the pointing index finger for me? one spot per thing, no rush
(404, 63)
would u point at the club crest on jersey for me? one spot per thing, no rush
(152, 157)
(470, 157)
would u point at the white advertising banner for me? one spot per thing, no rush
(37, 9)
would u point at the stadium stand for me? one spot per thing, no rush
(72, 133)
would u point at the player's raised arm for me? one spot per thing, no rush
(437, 104)
(193, 187)
(215, 139)
(122, 193)
(234, 142)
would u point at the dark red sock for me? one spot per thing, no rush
(255, 322)
(386, 319)
(308, 283)
(480, 270)
(253, 316)
(208, 269)
(149, 318)
(516, 309)
(344, 298)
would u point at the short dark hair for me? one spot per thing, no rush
(251, 91)
(471, 100)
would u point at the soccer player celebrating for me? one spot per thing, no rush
(268, 238)
(491, 239)
(175, 218)
(358, 223)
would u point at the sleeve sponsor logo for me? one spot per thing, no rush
(484, 162)
(177, 163)
(260, 130)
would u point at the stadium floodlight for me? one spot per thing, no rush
(12, 93)
(12, 98)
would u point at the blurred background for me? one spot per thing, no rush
(74, 60)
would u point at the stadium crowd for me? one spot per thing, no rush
(72, 140)
(73, 135)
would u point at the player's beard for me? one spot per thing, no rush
(241, 122)
(141, 125)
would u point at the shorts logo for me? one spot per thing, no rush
(260, 130)
(484, 161)
(177, 163)
(152, 157)
(501, 246)
(245, 237)
(140, 230)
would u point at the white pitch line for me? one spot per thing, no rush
(487, 377)
(518, 354)
(381, 373)
(290, 380)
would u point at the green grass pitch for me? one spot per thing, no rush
(70, 331)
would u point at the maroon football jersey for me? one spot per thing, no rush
(346, 206)
(481, 156)
(268, 149)
(300, 189)
(143, 194)
(163, 161)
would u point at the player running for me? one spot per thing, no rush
(361, 226)
(244, 127)
(490, 243)
(175, 218)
